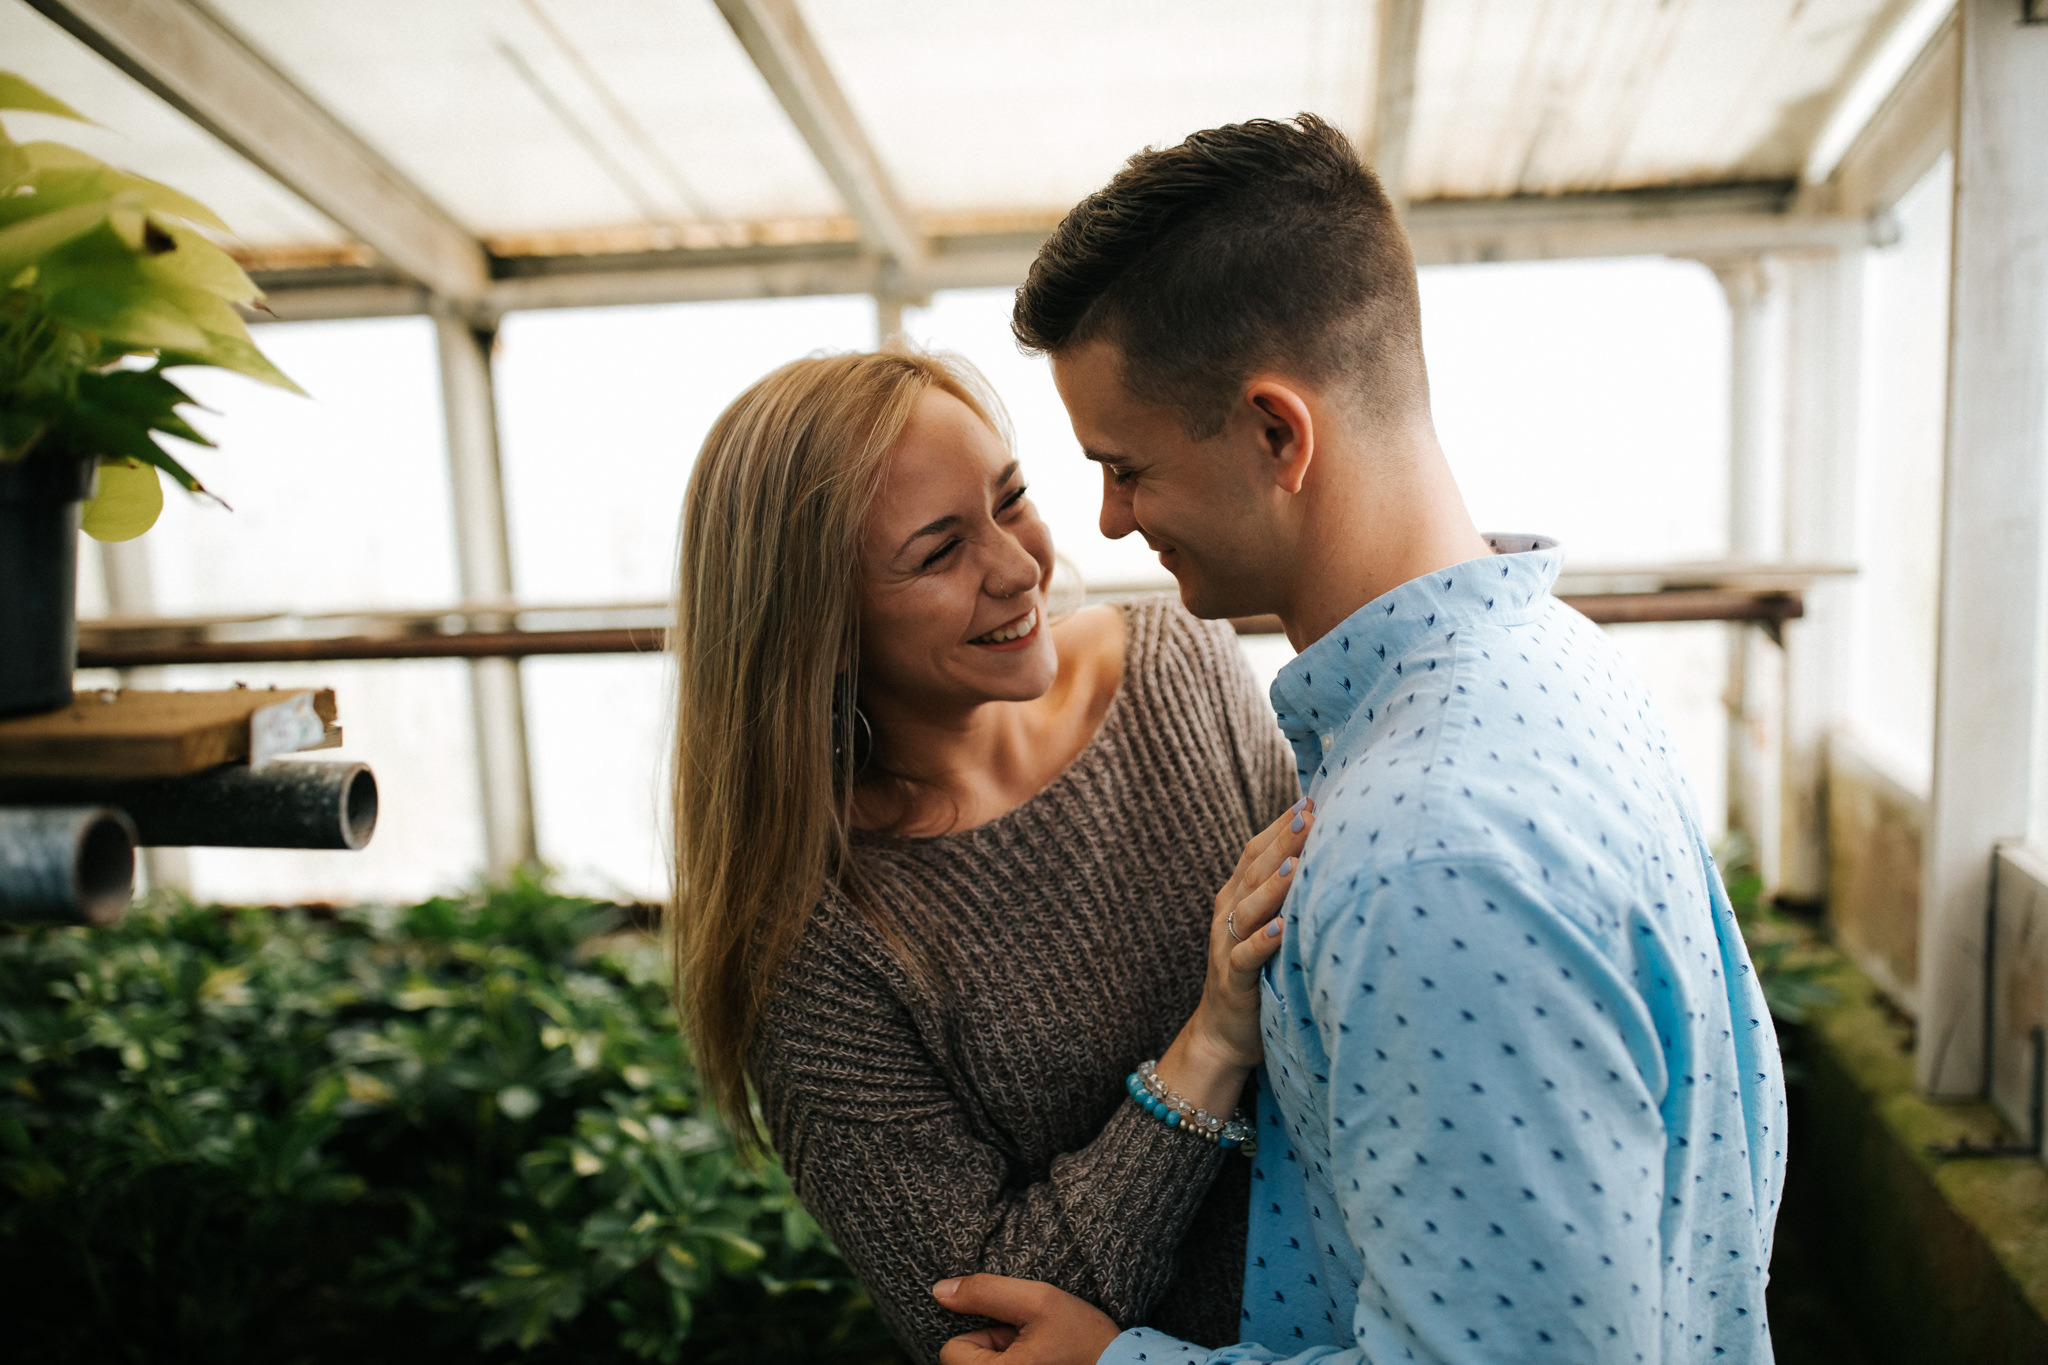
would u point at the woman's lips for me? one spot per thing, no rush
(1012, 634)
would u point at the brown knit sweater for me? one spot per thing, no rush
(981, 1122)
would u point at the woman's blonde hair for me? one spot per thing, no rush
(767, 647)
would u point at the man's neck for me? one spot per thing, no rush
(1379, 520)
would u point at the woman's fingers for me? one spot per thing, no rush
(1263, 901)
(1266, 838)
(1257, 923)
(1262, 867)
(1248, 957)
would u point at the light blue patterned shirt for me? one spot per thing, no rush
(1521, 1100)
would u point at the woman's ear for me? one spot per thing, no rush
(1286, 430)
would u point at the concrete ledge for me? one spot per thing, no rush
(1934, 1259)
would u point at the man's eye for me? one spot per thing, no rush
(939, 554)
(1121, 474)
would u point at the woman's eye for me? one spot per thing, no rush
(938, 555)
(1011, 501)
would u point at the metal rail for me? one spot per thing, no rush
(444, 635)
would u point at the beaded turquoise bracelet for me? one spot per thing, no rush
(1171, 1108)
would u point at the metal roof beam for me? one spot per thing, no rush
(1385, 145)
(1705, 221)
(1903, 138)
(179, 51)
(1883, 62)
(780, 43)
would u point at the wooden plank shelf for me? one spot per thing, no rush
(129, 734)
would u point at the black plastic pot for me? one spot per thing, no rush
(39, 504)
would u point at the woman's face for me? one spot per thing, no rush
(954, 568)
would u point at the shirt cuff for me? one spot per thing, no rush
(1144, 1346)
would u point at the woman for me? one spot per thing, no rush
(946, 870)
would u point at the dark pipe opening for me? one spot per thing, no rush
(359, 808)
(105, 872)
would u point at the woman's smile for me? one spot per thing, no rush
(1011, 635)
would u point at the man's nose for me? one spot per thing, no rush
(1117, 519)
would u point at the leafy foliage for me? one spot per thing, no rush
(105, 283)
(462, 1128)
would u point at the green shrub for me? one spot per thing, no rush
(464, 1129)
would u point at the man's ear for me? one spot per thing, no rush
(1286, 430)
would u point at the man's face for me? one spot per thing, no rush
(1202, 506)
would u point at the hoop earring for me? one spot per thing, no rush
(858, 728)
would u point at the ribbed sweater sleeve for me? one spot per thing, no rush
(913, 1189)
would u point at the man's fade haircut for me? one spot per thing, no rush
(1255, 245)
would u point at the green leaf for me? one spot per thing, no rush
(735, 1254)
(145, 394)
(128, 502)
(197, 263)
(235, 352)
(16, 93)
(65, 171)
(26, 243)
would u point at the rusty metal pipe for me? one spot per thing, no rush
(72, 864)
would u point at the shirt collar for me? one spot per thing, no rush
(1315, 694)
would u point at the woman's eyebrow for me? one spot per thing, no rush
(930, 528)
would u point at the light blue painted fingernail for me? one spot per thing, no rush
(1297, 806)
(1287, 867)
(1298, 821)
(1273, 929)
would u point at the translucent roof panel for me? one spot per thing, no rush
(139, 132)
(524, 116)
(982, 104)
(563, 125)
(1520, 98)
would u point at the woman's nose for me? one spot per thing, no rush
(1015, 572)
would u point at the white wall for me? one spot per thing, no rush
(1899, 481)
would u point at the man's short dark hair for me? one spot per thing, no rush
(1255, 245)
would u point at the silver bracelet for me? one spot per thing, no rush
(1171, 1108)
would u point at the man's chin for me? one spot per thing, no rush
(1203, 600)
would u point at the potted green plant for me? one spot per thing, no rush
(106, 283)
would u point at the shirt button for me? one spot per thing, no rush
(1329, 738)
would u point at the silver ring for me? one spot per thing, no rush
(1230, 923)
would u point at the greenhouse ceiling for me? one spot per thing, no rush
(376, 155)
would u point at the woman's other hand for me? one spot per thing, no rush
(1244, 933)
(1049, 1326)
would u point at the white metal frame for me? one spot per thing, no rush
(1994, 516)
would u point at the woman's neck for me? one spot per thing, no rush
(959, 767)
(965, 764)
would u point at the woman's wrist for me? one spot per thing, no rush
(1204, 1068)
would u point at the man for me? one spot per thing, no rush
(1521, 1100)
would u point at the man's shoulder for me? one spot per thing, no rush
(1532, 748)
